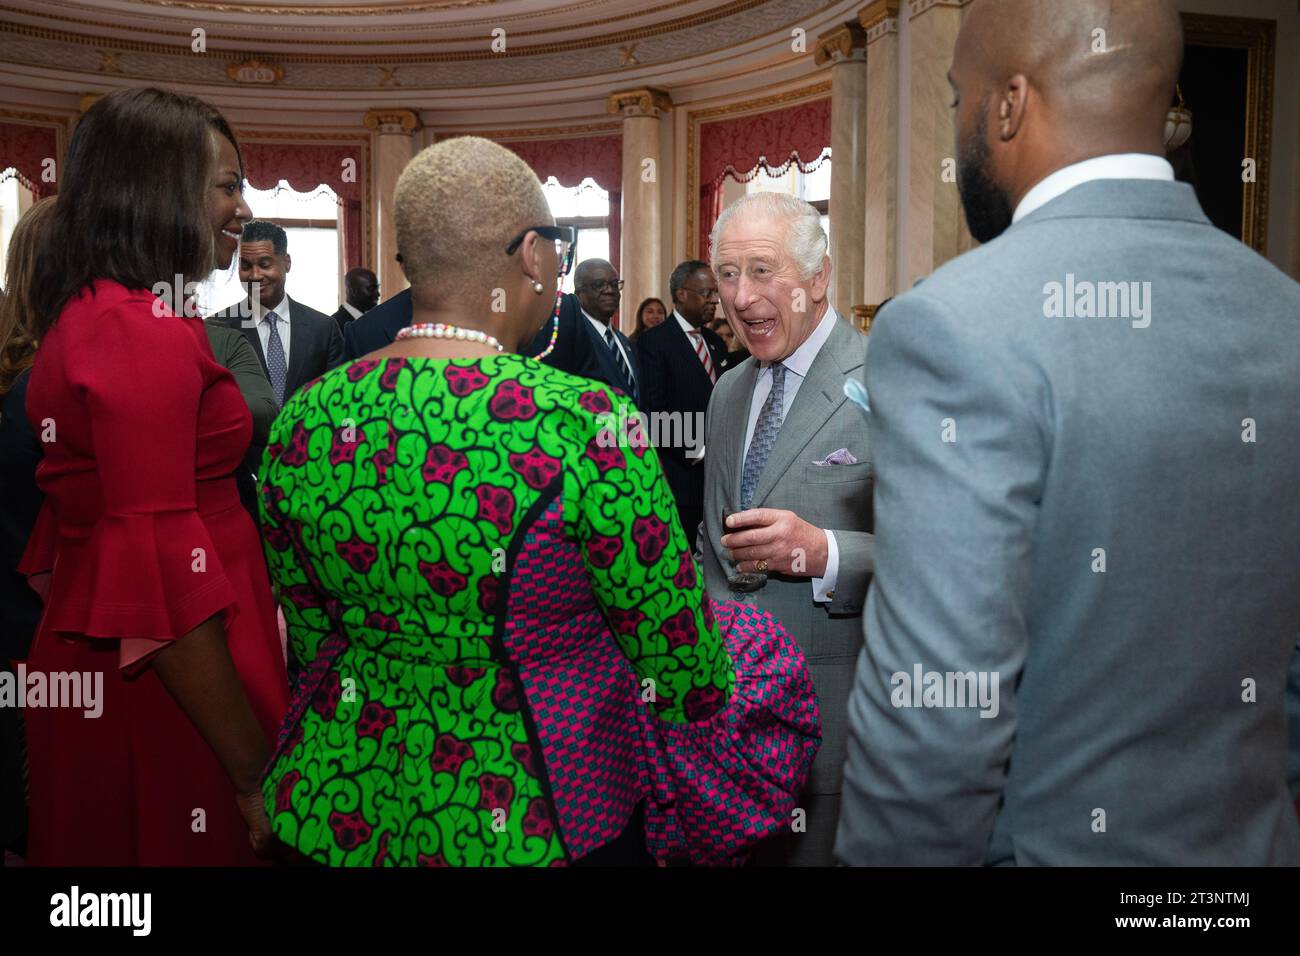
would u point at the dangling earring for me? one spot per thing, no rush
(555, 328)
(538, 287)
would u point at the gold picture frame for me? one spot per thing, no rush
(1259, 39)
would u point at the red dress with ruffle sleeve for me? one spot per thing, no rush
(145, 537)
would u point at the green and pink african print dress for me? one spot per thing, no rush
(507, 647)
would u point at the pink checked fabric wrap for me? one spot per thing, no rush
(718, 787)
(712, 789)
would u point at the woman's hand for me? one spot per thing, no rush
(260, 835)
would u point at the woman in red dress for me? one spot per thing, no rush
(159, 593)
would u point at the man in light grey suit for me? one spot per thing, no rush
(1087, 584)
(790, 454)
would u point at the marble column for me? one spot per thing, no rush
(844, 48)
(879, 21)
(394, 143)
(641, 258)
(935, 223)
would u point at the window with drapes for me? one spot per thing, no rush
(311, 221)
(27, 156)
(586, 208)
(304, 168)
(770, 144)
(582, 176)
(28, 153)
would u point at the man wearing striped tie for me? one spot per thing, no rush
(681, 360)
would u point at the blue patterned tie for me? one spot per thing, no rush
(765, 432)
(612, 342)
(275, 364)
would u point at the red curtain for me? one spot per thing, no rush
(743, 146)
(571, 161)
(306, 167)
(26, 148)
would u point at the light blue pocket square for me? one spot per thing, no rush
(857, 394)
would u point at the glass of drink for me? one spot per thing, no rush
(746, 582)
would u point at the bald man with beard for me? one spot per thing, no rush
(1087, 585)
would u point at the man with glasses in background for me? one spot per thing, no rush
(682, 359)
(587, 343)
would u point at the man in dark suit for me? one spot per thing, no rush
(587, 344)
(293, 342)
(361, 287)
(681, 359)
(378, 327)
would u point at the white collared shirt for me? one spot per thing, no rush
(353, 310)
(796, 368)
(601, 328)
(264, 328)
(1114, 166)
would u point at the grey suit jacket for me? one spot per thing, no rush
(837, 497)
(1104, 514)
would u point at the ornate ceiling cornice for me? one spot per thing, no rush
(242, 46)
(305, 33)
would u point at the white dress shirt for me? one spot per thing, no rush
(796, 368)
(601, 328)
(353, 310)
(264, 328)
(1114, 166)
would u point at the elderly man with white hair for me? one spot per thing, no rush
(789, 472)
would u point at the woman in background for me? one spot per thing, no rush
(20, 501)
(466, 539)
(649, 313)
(159, 589)
(736, 353)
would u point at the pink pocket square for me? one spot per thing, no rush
(841, 457)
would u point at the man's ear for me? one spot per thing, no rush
(1011, 107)
(288, 262)
(821, 281)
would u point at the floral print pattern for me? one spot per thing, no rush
(393, 490)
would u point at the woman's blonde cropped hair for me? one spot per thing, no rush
(458, 205)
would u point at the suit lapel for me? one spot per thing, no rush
(604, 358)
(298, 347)
(732, 423)
(821, 393)
(692, 357)
(250, 332)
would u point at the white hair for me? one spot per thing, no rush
(805, 240)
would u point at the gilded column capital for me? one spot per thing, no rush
(646, 101)
(917, 7)
(392, 121)
(879, 18)
(848, 41)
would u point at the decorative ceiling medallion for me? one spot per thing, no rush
(255, 71)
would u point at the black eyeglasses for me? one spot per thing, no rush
(566, 243)
(613, 285)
